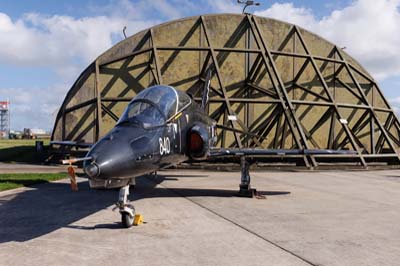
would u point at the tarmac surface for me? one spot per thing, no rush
(192, 218)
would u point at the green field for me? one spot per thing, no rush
(10, 143)
(10, 181)
(20, 150)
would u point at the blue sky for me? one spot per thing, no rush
(46, 44)
(76, 8)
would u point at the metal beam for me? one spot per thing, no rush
(99, 118)
(281, 91)
(219, 77)
(376, 118)
(279, 88)
(133, 54)
(335, 106)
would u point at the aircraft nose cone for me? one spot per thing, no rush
(92, 170)
(112, 156)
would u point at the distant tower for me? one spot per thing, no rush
(4, 119)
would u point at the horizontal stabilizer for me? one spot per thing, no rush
(260, 152)
(72, 143)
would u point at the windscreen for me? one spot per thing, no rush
(154, 106)
(142, 113)
(184, 100)
(164, 97)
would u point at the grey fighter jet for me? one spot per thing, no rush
(160, 127)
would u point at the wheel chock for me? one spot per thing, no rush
(246, 191)
(138, 219)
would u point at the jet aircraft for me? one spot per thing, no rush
(160, 127)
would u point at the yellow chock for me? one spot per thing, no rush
(138, 219)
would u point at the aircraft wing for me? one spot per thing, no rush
(236, 152)
(72, 144)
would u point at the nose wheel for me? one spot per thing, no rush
(126, 210)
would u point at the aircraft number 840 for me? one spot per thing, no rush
(165, 145)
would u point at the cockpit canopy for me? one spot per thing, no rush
(154, 106)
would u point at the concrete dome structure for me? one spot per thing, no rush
(275, 85)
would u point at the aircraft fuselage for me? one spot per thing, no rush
(131, 150)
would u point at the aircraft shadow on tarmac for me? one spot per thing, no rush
(189, 192)
(51, 206)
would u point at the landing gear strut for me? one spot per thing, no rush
(245, 189)
(126, 210)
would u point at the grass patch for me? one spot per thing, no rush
(10, 181)
(20, 150)
(10, 143)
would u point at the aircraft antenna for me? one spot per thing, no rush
(124, 31)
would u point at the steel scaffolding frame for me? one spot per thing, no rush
(285, 118)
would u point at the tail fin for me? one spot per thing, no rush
(206, 90)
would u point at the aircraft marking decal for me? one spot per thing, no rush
(165, 145)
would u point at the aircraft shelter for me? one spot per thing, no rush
(274, 85)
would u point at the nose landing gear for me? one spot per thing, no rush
(126, 210)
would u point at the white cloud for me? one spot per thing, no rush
(368, 29)
(289, 13)
(36, 107)
(226, 6)
(395, 103)
(63, 44)
(40, 40)
(396, 109)
(67, 45)
(145, 9)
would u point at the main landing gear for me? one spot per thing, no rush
(126, 210)
(245, 189)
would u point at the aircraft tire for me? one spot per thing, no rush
(127, 220)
